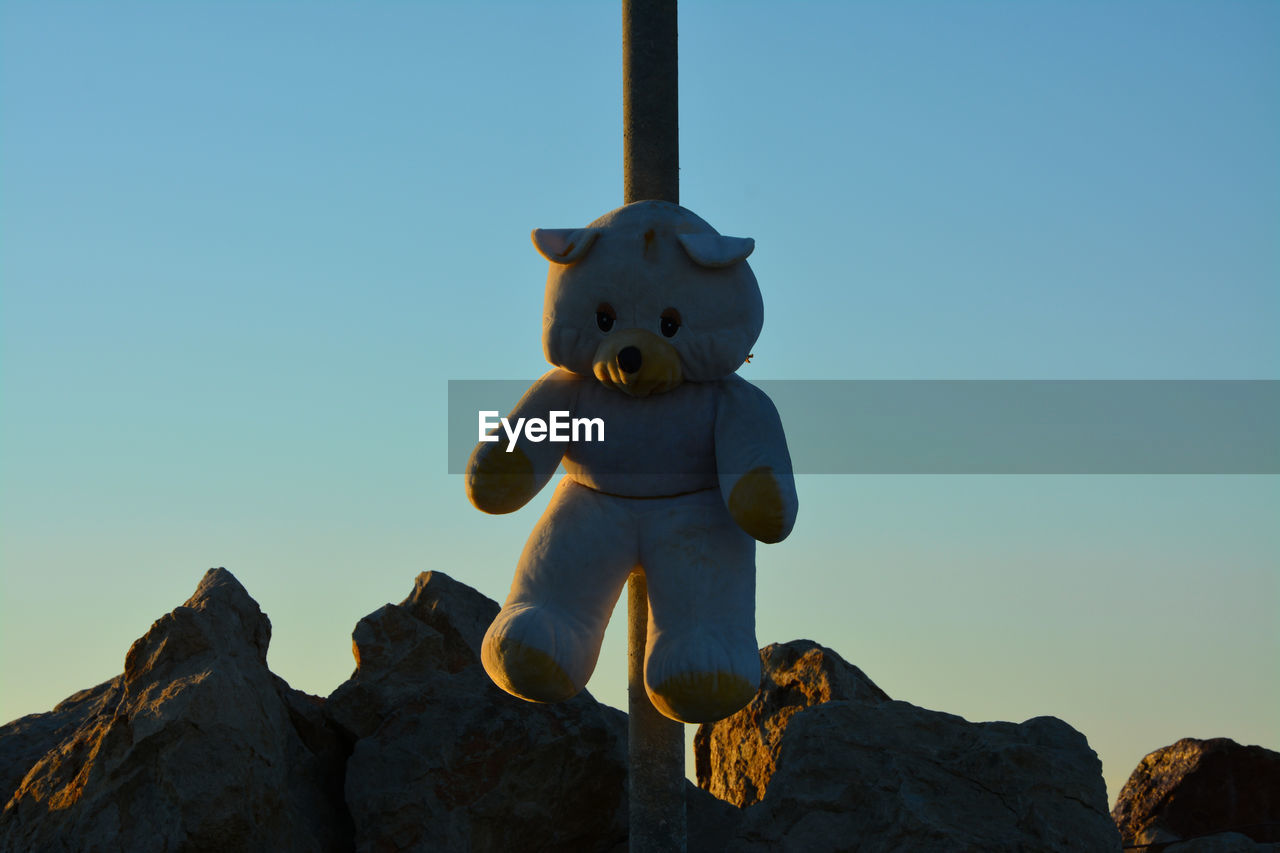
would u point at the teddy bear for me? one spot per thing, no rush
(648, 314)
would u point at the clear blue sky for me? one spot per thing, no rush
(243, 247)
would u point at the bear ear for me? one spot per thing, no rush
(564, 245)
(712, 250)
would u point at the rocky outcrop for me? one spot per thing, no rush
(735, 760)
(197, 746)
(443, 760)
(861, 772)
(1196, 788)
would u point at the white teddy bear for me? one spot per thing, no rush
(648, 314)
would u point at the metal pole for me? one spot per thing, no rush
(650, 103)
(657, 810)
(651, 158)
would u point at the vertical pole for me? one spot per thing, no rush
(651, 157)
(656, 745)
(650, 103)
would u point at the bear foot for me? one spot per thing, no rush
(524, 671)
(535, 652)
(704, 674)
(702, 697)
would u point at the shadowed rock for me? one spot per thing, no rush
(197, 746)
(1198, 788)
(1221, 842)
(859, 772)
(443, 760)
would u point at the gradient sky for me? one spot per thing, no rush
(245, 245)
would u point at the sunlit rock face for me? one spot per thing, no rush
(736, 758)
(197, 746)
(1195, 788)
(25, 741)
(836, 765)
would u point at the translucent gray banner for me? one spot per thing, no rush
(986, 426)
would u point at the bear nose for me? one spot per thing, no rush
(629, 359)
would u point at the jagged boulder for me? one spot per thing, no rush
(861, 772)
(197, 746)
(444, 760)
(735, 760)
(1195, 788)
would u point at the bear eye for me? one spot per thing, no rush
(605, 316)
(670, 323)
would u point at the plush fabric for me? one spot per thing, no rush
(648, 314)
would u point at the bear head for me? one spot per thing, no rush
(648, 296)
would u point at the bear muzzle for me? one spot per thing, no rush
(637, 362)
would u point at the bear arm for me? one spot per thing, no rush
(753, 463)
(498, 481)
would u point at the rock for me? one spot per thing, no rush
(711, 822)
(868, 774)
(28, 739)
(1222, 842)
(898, 777)
(197, 746)
(735, 757)
(444, 760)
(1200, 787)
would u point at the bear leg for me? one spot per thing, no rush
(544, 643)
(702, 662)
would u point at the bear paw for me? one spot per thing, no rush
(499, 482)
(756, 505)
